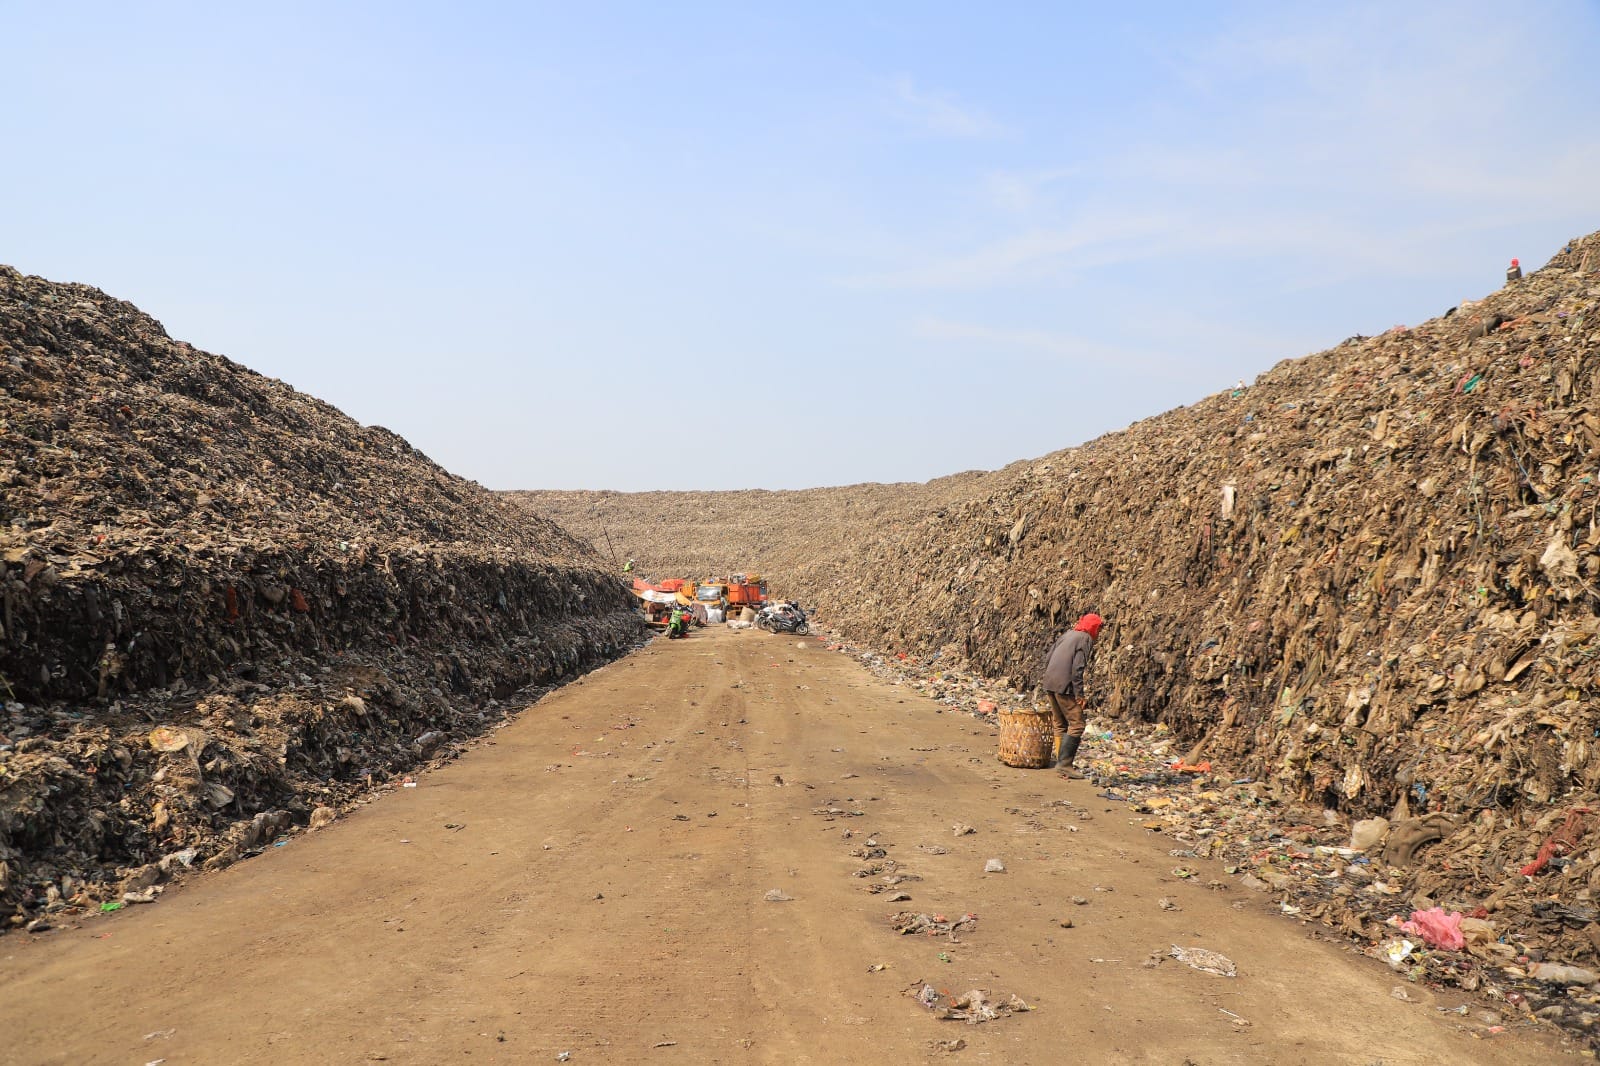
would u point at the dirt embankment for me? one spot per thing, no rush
(304, 605)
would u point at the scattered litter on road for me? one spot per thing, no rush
(1205, 960)
(974, 1007)
(909, 922)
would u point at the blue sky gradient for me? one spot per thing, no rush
(842, 242)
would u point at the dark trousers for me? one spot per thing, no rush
(1066, 714)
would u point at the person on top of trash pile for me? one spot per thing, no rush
(1064, 686)
(629, 568)
(1513, 272)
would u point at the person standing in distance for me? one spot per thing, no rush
(1064, 687)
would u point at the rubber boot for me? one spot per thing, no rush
(1069, 751)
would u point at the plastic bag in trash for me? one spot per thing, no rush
(1437, 928)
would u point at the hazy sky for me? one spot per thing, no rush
(641, 246)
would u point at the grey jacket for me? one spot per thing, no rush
(1069, 657)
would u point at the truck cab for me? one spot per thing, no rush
(712, 594)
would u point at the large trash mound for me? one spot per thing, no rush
(226, 604)
(776, 532)
(1368, 580)
(1364, 589)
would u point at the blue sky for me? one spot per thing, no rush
(829, 243)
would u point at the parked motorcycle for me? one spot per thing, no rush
(678, 624)
(783, 618)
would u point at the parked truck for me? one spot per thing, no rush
(747, 590)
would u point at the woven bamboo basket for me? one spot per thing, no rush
(1027, 738)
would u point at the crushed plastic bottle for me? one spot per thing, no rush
(1557, 974)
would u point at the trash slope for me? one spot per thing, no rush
(226, 604)
(1366, 583)
(782, 533)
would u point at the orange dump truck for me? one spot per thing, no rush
(747, 590)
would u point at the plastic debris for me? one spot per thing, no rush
(1557, 974)
(1397, 952)
(1205, 960)
(1437, 928)
(910, 922)
(974, 1007)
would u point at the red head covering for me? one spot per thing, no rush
(1090, 624)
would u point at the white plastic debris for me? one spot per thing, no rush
(1397, 951)
(1206, 961)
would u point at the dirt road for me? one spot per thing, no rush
(591, 881)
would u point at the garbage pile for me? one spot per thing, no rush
(225, 605)
(779, 533)
(1369, 577)
(1359, 879)
(1367, 583)
(1389, 889)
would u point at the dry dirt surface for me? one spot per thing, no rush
(593, 884)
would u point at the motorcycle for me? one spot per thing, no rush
(678, 625)
(783, 618)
